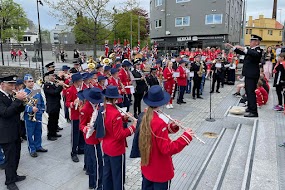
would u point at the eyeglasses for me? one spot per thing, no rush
(30, 81)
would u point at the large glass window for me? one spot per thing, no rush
(158, 3)
(214, 19)
(182, 21)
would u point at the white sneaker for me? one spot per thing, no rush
(167, 106)
(171, 106)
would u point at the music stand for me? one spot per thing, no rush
(210, 119)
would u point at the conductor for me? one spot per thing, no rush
(251, 71)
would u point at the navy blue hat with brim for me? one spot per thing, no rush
(93, 95)
(114, 70)
(65, 67)
(127, 63)
(118, 66)
(117, 59)
(111, 92)
(94, 72)
(76, 77)
(9, 79)
(19, 82)
(158, 62)
(107, 68)
(182, 61)
(80, 94)
(99, 66)
(156, 97)
(100, 78)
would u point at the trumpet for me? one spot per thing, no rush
(180, 125)
(126, 113)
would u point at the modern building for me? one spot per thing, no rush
(176, 24)
(269, 29)
(62, 34)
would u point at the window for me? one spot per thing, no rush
(182, 21)
(182, 1)
(280, 33)
(270, 32)
(246, 32)
(27, 39)
(250, 31)
(158, 3)
(214, 19)
(158, 23)
(56, 36)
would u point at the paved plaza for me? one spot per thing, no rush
(198, 166)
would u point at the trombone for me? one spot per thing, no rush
(179, 125)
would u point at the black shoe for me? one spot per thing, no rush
(20, 178)
(60, 128)
(200, 97)
(183, 102)
(136, 116)
(68, 120)
(57, 135)
(236, 94)
(42, 150)
(74, 157)
(194, 98)
(52, 138)
(246, 110)
(34, 154)
(251, 114)
(212, 91)
(12, 186)
(178, 102)
(218, 91)
(91, 187)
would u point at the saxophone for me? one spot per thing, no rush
(201, 70)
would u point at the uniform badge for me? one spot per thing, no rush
(163, 129)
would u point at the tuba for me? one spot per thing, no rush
(106, 61)
(112, 56)
(201, 70)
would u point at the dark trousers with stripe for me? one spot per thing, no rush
(12, 152)
(114, 172)
(149, 185)
(182, 90)
(52, 123)
(94, 165)
(250, 86)
(78, 141)
(66, 111)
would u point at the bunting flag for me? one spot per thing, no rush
(106, 48)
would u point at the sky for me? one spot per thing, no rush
(254, 8)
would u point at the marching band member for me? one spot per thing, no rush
(152, 77)
(159, 72)
(114, 80)
(156, 148)
(66, 78)
(169, 85)
(107, 70)
(11, 107)
(73, 102)
(140, 88)
(114, 141)
(198, 68)
(76, 67)
(20, 86)
(93, 152)
(100, 70)
(181, 81)
(217, 69)
(126, 81)
(52, 94)
(101, 82)
(33, 119)
(86, 77)
(50, 66)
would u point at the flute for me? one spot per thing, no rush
(179, 125)
(126, 113)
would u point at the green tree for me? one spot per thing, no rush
(122, 25)
(13, 20)
(45, 36)
(88, 17)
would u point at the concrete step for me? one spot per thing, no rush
(207, 178)
(232, 174)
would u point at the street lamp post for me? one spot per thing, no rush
(40, 36)
(1, 40)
